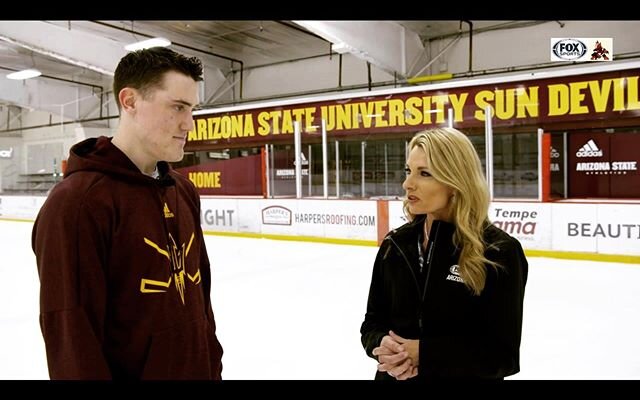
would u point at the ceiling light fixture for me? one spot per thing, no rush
(146, 44)
(24, 74)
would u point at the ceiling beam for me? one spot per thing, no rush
(385, 44)
(71, 46)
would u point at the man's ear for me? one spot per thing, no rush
(128, 97)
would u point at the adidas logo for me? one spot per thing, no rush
(167, 212)
(590, 149)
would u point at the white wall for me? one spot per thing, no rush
(529, 46)
(56, 140)
(10, 167)
(52, 142)
(307, 75)
(215, 85)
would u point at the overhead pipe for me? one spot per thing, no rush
(458, 36)
(49, 125)
(340, 70)
(182, 45)
(93, 87)
(59, 79)
(470, 42)
(485, 72)
(271, 64)
(300, 29)
(429, 78)
(492, 71)
(497, 27)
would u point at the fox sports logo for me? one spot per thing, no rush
(569, 49)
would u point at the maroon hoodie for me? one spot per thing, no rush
(124, 273)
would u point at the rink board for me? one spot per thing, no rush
(603, 228)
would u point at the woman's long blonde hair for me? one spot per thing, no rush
(454, 162)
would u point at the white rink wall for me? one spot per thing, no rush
(572, 227)
(20, 207)
(588, 228)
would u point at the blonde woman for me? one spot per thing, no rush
(447, 288)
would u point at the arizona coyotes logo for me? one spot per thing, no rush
(176, 255)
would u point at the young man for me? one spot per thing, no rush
(124, 272)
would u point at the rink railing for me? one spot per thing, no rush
(597, 231)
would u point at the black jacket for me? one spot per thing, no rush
(461, 335)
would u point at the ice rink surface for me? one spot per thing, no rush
(292, 310)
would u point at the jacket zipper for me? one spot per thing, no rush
(431, 246)
(415, 279)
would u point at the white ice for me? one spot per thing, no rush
(292, 310)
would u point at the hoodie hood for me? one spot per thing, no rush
(100, 155)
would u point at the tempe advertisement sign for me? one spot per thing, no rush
(530, 223)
